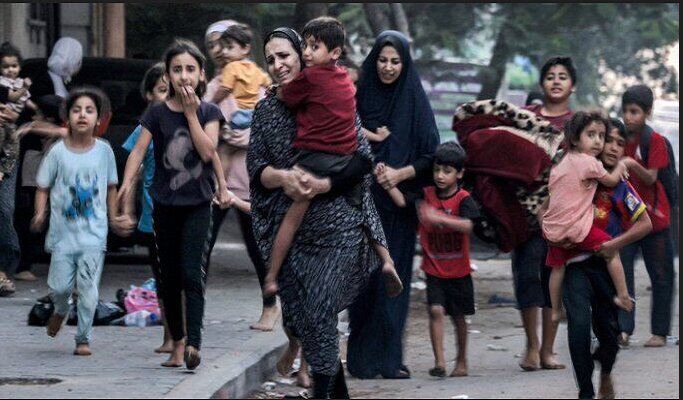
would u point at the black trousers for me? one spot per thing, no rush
(181, 234)
(217, 216)
(587, 293)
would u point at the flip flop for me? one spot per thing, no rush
(528, 368)
(438, 372)
(553, 366)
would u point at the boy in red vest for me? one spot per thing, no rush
(446, 214)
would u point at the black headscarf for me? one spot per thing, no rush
(291, 35)
(402, 106)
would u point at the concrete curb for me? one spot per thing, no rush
(235, 374)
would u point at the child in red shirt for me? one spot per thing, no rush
(446, 214)
(323, 97)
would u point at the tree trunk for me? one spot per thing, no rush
(377, 17)
(398, 15)
(305, 12)
(492, 76)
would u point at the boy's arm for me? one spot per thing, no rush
(458, 224)
(648, 176)
(638, 230)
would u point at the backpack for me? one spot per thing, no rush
(668, 176)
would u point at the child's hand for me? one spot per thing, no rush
(380, 168)
(223, 198)
(272, 90)
(624, 170)
(2, 175)
(428, 215)
(38, 222)
(383, 132)
(189, 100)
(123, 225)
(27, 83)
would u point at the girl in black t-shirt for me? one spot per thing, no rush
(185, 134)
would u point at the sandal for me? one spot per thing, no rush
(6, 286)
(438, 372)
(192, 358)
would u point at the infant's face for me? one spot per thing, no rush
(10, 67)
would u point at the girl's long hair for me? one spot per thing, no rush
(181, 46)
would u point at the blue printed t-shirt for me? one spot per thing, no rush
(78, 183)
(145, 224)
(617, 208)
(181, 178)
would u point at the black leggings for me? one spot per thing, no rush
(147, 240)
(244, 219)
(330, 387)
(181, 235)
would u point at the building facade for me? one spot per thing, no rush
(35, 27)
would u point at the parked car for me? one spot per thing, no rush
(120, 79)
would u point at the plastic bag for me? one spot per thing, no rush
(139, 299)
(41, 312)
(105, 313)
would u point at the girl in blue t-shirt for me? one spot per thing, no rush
(185, 134)
(154, 89)
(79, 175)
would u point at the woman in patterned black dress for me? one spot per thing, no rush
(331, 258)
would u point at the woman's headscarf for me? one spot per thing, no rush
(64, 63)
(220, 27)
(402, 106)
(294, 38)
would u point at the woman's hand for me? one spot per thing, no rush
(7, 114)
(316, 185)
(189, 100)
(295, 185)
(389, 178)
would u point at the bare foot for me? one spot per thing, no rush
(82, 350)
(270, 288)
(531, 361)
(550, 362)
(392, 282)
(625, 302)
(606, 390)
(54, 324)
(284, 365)
(269, 316)
(165, 348)
(656, 341)
(460, 369)
(303, 379)
(177, 356)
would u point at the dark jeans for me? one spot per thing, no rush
(181, 235)
(217, 216)
(657, 250)
(587, 294)
(529, 273)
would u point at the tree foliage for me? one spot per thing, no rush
(622, 38)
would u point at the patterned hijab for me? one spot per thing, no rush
(402, 106)
(294, 38)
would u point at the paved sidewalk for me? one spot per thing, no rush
(123, 364)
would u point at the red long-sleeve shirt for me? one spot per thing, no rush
(324, 99)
